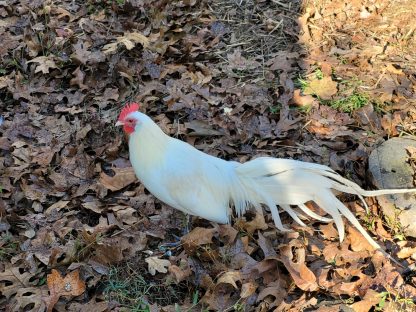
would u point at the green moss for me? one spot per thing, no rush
(350, 103)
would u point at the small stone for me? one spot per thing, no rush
(68, 287)
(30, 233)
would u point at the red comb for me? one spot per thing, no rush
(129, 108)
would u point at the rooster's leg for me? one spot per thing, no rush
(188, 221)
(174, 244)
(185, 230)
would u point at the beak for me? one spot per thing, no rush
(119, 123)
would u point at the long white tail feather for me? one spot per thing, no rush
(267, 200)
(348, 214)
(313, 214)
(275, 214)
(285, 182)
(325, 202)
(293, 214)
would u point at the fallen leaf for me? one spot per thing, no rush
(13, 279)
(324, 88)
(5, 81)
(81, 134)
(93, 205)
(217, 300)
(237, 61)
(266, 246)
(109, 95)
(43, 156)
(230, 277)
(122, 178)
(129, 40)
(302, 100)
(258, 223)
(179, 273)
(406, 252)
(329, 231)
(247, 289)
(108, 252)
(156, 264)
(62, 13)
(227, 231)
(197, 237)
(276, 289)
(301, 274)
(70, 285)
(358, 242)
(370, 299)
(125, 214)
(32, 297)
(56, 207)
(201, 128)
(78, 80)
(83, 56)
(44, 63)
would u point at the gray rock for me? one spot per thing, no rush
(389, 168)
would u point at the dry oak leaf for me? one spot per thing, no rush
(332, 252)
(370, 299)
(129, 40)
(197, 237)
(248, 289)
(324, 88)
(276, 290)
(109, 95)
(227, 232)
(358, 242)
(230, 277)
(302, 276)
(78, 79)
(45, 63)
(180, 274)
(5, 81)
(328, 231)
(56, 207)
(266, 245)
(122, 178)
(82, 133)
(70, 285)
(258, 223)
(406, 252)
(156, 264)
(201, 128)
(302, 100)
(32, 297)
(13, 279)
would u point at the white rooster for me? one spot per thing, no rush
(199, 184)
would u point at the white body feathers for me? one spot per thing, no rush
(202, 185)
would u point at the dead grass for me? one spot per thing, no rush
(254, 29)
(130, 285)
(374, 42)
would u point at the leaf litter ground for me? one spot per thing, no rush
(322, 81)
